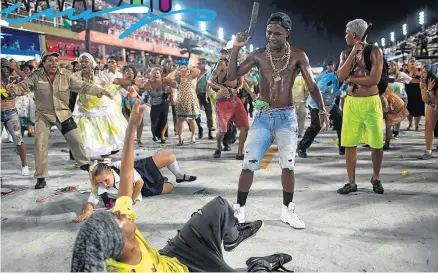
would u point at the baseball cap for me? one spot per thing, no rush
(281, 19)
(47, 54)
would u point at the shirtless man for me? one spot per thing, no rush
(278, 63)
(362, 110)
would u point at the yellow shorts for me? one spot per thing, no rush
(362, 121)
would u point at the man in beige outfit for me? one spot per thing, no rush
(52, 87)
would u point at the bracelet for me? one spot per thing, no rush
(322, 112)
(431, 92)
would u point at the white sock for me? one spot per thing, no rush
(174, 168)
(429, 151)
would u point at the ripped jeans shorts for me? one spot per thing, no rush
(270, 125)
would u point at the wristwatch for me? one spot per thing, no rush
(431, 92)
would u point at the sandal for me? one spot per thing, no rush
(187, 178)
(180, 144)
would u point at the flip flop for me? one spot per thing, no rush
(187, 178)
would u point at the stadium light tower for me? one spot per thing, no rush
(392, 35)
(421, 19)
(405, 30)
(203, 26)
(179, 15)
(383, 42)
(220, 33)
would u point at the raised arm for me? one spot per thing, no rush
(376, 70)
(78, 86)
(345, 64)
(194, 73)
(22, 88)
(235, 71)
(127, 168)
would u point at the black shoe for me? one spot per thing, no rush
(186, 178)
(347, 188)
(227, 148)
(275, 261)
(395, 134)
(217, 154)
(154, 139)
(41, 183)
(240, 157)
(163, 141)
(246, 231)
(377, 186)
(201, 132)
(386, 146)
(85, 167)
(210, 136)
(301, 153)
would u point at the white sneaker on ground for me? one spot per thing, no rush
(289, 216)
(239, 213)
(25, 171)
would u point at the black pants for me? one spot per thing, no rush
(174, 116)
(199, 242)
(208, 111)
(314, 128)
(158, 117)
(248, 102)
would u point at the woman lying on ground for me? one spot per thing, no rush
(112, 240)
(148, 181)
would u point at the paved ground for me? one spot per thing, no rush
(397, 231)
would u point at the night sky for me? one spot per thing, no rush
(318, 27)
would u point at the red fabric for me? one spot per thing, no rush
(226, 111)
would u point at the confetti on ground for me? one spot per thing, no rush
(406, 173)
(57, 192)
(4, 219)
(402, 133)
(204, 192)
(71, 166)
(32, 162)
(402, 156)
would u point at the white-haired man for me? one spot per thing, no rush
(362, 111)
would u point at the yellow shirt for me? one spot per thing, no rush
(299, 91)
(151, 260)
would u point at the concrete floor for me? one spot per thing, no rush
(396, 231)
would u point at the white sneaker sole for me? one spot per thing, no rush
(287, 222)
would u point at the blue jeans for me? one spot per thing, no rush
(267, 126)
(11, 120)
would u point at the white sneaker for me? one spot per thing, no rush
(239, 213)
(289, 216)
(25, 171)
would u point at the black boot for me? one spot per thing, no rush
(210, 135)
(41, 183)
(201, 132)
(217, 154)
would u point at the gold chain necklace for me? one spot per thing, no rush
(276, 72)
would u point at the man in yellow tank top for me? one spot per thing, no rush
(113, 240)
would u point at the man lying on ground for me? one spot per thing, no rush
(113, 240)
